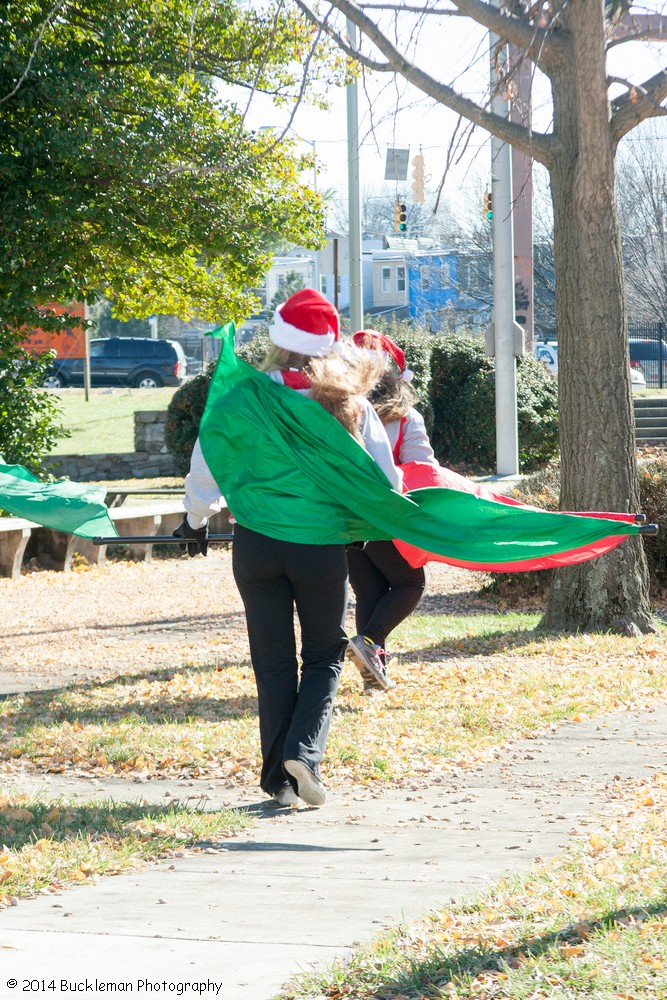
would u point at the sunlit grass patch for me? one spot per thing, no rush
(466, 687)
(590, 923)
(440, 632)
(51, 844)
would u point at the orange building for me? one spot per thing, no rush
(68, 343)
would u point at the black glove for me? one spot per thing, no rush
(195, 539)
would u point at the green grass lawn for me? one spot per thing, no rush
(104, 422)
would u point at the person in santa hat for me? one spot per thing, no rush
(274, 576)
(386, 587)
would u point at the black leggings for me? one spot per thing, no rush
(387, 588)
(273, 578)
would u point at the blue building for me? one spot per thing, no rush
(432, 284)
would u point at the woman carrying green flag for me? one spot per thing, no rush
(279, 567)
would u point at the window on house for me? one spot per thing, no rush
(323, 284)
(281, 280)
(339, 285)
(400, 279)
(386, 279)
(425, 282)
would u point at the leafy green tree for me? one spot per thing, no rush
(122, 168)
(124, 172)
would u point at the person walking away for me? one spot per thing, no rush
(274, 575)
(386, 587)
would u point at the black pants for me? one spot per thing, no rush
(273, 578)
(387, 588)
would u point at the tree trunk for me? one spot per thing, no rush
(598, 456)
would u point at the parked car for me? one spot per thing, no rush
(637, 379)
(141, 362)
(645, 356)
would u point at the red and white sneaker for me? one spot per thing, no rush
(368, 657)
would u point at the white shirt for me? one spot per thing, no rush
(202, 493)
(415, 445)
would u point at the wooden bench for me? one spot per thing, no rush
(56, 549)
(14, 536)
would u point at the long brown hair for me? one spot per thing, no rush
(392, 397)
(337, 380)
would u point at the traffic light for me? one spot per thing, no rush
(418, 178)
(400, 217)
(488, 205)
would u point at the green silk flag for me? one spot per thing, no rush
(77, 508)
(289, 470)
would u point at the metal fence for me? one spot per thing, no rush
(648, 352)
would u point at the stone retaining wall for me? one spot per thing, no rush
(151, 460)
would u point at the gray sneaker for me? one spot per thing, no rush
(286, 796)
(367, 655)
(310, 788)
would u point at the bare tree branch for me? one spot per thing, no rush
(641, 102)
(632, 28)
(342, 42)
(537, 145)
(538, 41)
(401, 8)
(533, 38)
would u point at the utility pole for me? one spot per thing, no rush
(356, 290)
(86, 359)
(507, 435)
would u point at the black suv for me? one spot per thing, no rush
(141, 362)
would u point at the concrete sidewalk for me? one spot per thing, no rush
(303, 885)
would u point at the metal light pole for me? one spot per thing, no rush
(356, 289)
(507, 434)
(86, 359)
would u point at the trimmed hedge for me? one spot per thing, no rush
(455, 384)
(653, 503)
(462, 391)
(184, 415)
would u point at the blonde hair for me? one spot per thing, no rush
(337, 380)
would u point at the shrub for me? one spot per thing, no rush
(254, 350)
(30, 417)
(462, 391)
(184, 415)
(188, 403)
(543, 488)
(653, 503)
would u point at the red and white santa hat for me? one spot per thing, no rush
(371, 340)
(306, 323)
